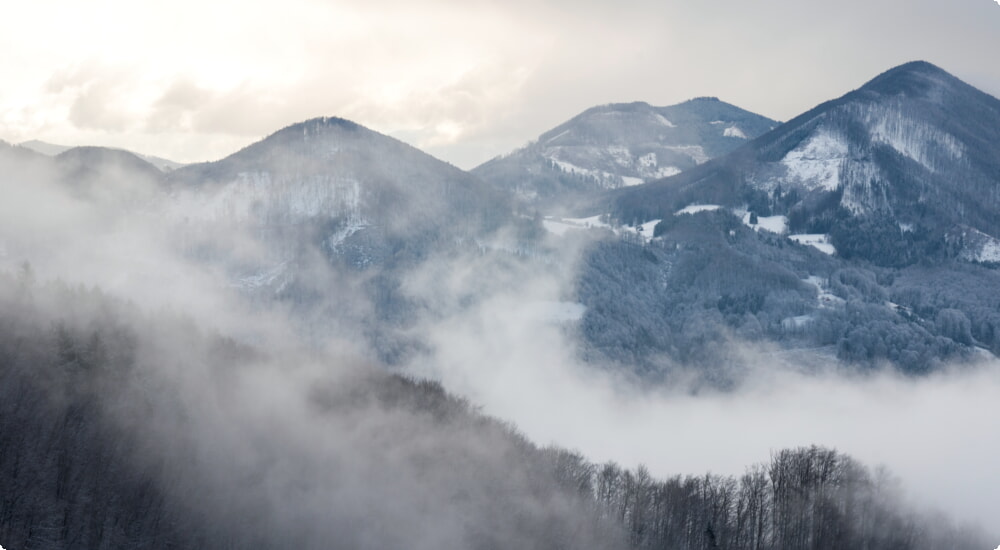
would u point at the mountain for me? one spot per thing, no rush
(904, 167)
(623, 144)
(327, 207)
(370, 197)
(106, 171)
(45, 148)
(18, 161)
(52, 149)
(865, 229)
(107, 445)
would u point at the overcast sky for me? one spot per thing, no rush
(464, 80)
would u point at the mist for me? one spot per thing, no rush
(512, 353)
(271, 419)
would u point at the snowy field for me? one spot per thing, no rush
(819, 241)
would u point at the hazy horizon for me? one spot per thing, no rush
(464, 82)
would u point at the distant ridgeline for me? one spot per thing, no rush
(620, 145)
(866, 230)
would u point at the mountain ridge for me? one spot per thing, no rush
(619, 145)
(895, 146)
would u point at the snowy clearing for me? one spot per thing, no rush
(823, 295)
(559, 226)
(735, 132)
(816, 163)
(667, 171)
(695, 208)
(818, 241)
(774, 224)
(629, 181)
(990, 251)
(663, 120)
(646, 229)
(570, 168)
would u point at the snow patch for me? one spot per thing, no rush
(667, 171)
(695, 208)
(979, 247)
(571, 168)
(559, 226)
(816, 163)
(717, 122)
(645, 229)
(629, 181)
(648, 160)
(592, 221)
(735, 132)
(662, 120)
(818, 241)
(823, 295)
(620, 155)
(990, 253)
(774, 224)
(557, 136)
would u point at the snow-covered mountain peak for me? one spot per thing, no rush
(623, 144)
(916, 79)
(913, 147)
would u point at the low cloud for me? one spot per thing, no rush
(498, 327)
(510, 354)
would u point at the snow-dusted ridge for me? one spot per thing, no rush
(622, 145)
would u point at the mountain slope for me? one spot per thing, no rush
(897, 184)
(623, 144)
(107, 444)
(909, 158)
(52, 149)
(360, 184)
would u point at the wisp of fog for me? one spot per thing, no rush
(511, 353)
(498, 330)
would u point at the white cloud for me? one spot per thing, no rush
(936, 433)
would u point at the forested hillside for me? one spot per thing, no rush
(126, 428)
